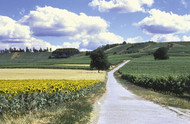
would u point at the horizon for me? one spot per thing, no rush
(89, 24)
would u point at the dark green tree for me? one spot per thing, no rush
(124, 42)
(99, 60)
(161, 53)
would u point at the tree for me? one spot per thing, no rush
(99, 60)
(161, 53)
(124, 42)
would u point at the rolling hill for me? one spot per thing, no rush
(116, 54)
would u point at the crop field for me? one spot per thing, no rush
(147, 66)
(167, 76)
(67, 74)
(24, 91)
(41, 60)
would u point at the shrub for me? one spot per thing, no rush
(161, 53)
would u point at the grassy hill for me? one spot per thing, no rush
(116, 54)
(149, 47)
(41, 60)
(130, 51)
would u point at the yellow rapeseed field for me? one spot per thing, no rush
(67, 74)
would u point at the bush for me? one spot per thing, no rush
(161, 53)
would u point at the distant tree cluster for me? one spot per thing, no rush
(64, 53)
(27, 50)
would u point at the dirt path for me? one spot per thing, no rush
(119, 106)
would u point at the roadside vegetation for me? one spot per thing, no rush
(162, 81)
(157, 97)
(48, 101)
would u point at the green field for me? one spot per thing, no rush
(116, 54)
(147, 66)
(41, 60)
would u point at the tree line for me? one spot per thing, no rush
(27, 50)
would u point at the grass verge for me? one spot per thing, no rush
(159, 98)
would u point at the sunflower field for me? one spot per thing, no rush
(23, 96)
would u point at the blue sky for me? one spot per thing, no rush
(87, 24)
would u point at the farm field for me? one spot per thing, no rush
(147, 66)
(41, 60)
(68, 74)
(49, 95)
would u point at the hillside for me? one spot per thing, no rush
(41, 60)
(176, 48)
(116, 54)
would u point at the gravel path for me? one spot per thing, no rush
(119, 106)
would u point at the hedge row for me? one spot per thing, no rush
(171, 84)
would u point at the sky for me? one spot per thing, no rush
(88, 24)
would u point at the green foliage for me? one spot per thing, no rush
(156, 97)
(64, 53)
(80, 110)
(147, 66)
(24, 103)
(168, 76)
(99, 60)
(175, 85)
(161, 53)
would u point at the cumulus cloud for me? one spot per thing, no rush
(186, 38)
(91, 42)
(134, 39)
(49, 21)
(89, 32)
(121, 6)
(71, 45)
(160, 22)
(13, 34)
(37, 43)
(11, 30)
(166, 38)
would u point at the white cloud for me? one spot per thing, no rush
(165, 38)
(160, 22)
(134, 39)
(90, 32)
(13, 34)
(10, 29)
(92, 42)
(186, 38)
(37, 43)
(71, 45)
(49, 21)
(121, 6)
